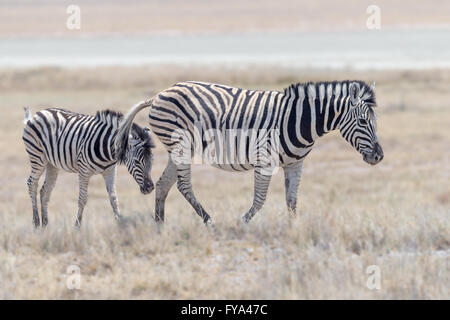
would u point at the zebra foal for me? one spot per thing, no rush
(291, 120)
(57, 139)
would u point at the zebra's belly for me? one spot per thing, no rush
(77, 165)
(232, 156)
(62, 161)
(219, 160)
(236, 154)
(70, 170)
(232, 167)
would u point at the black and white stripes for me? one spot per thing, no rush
(57, 139)
(286, 122)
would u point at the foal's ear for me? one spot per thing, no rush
(354, 92)
(149, 139)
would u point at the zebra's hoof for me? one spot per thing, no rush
(210, 225)
(120, 219)
(245, 219)
(158, 219)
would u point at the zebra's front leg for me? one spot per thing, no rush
(51, 175)
(184, 185)
(83, 196)
(261, 184)
(292, 176)
(110, 181)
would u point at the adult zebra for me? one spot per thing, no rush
(60, 139)
(296, 116)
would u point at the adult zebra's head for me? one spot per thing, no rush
(359, 124)
(139, 157)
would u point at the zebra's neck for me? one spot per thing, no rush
(313, 109)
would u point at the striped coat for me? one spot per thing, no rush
(57, 139)
(191, 115)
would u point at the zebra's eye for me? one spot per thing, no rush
(362, 122)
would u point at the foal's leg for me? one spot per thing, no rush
(164, 184)
(110, 176)
(32, 182)
(83, 195)
(50, 180)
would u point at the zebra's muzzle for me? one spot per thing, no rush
(148, 187)
(375, 156)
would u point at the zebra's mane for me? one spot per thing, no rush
(107, 113)
(143, 135)
(365, 91)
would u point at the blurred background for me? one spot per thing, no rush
(89, 55)
(324, 34)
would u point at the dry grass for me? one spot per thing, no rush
(394, 215)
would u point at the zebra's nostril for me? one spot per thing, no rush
(378, 157)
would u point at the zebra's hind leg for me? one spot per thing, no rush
(32, 183)
(110, 176)
(184, 185)
(261, 184)
(83, 195)
(292, 176)
(50, 180)
(163, 186)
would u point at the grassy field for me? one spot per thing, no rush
(351, 215)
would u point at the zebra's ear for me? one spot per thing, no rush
(372, 86)
(354, 92)
(149, 141)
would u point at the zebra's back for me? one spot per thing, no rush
(228, 110)
(70, 140)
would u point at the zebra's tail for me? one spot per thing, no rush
(124, 129)
(27, 115)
